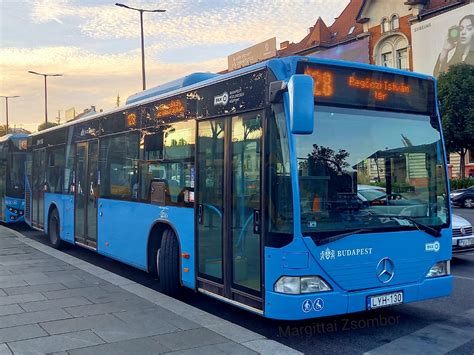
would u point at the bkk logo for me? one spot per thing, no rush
(436, 246)
(331, 254)
(221, 99)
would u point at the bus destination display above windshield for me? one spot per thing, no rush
(363, 88)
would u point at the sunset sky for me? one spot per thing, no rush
(96, 46)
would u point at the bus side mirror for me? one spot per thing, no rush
(301, 104)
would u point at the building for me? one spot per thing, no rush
(344, 39)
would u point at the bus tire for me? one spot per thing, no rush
(168, 263)
(54, 230)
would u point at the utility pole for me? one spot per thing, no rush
(142, 36)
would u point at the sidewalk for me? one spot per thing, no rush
(52, 302)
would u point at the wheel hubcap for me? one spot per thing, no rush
(468, 202)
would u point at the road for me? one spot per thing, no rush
(448, 322)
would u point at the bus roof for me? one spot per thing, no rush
(283, 68)
(12, 136)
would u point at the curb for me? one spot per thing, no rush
(234, 332)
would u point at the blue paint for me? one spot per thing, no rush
(14, 210)
(353, 278)
(65, 207)
(124, 227)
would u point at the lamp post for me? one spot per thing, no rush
(45, 93)
(6, 108)
(141, 11)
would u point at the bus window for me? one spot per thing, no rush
(180, 140)
(280, 196)
(55, 173)
(119, 166)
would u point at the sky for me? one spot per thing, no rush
(96, 46)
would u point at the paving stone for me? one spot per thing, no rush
(4, 300)
(83, 323)
(80, 283)
(85, 291)
(112, 307)
(59, 303)
(10, 309)
(32, 317)
(21, 332)
(33, 289)
(234, 332)
(123, 331)
(188, 339)
(135, 346)
(54, 343)
(4, 350)
(148, 317)
(225, 348)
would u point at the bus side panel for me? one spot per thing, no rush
(65, 206)
(14, 210)
(124, 227)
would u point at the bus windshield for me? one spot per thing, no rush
(359, 165)
(15, 182)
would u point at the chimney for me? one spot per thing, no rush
(93, 108)
(284, 45)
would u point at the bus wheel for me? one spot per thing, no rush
(168, 263)
(54, 230)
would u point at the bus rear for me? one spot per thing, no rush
(369, 222)
(12, 178)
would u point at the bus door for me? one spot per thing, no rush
(39, 185)
(86, 193)
(228, 213)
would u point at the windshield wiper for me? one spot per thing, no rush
(333, 238)
(425, 228)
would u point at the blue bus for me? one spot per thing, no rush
(294, 188)
(13, 149)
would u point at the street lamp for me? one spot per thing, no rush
(6, 107)
(45, 93)
(141, 26)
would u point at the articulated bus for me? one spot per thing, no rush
(13, 149)
(294, 188)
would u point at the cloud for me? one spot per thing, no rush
(194, 23)
(89, 79)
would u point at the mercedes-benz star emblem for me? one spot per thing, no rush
(385, 270)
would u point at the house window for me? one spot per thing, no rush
(392, 51)
(385, 25)
(395, 22)
(471, 156)
(387, 59)
(402, 59)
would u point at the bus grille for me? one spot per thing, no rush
(461, 232)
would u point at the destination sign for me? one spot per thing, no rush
(369, 89)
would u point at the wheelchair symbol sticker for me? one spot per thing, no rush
(306, 306)
(318, 304)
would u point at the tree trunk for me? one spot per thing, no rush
(462, 163)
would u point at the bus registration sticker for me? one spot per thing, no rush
(385, 300)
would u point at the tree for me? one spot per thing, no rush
(456, 95)
(45, 125)
(3, 130)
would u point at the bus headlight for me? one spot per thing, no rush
(295, 285)
(441, 268)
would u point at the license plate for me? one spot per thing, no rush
(385, 300)
(466, 242)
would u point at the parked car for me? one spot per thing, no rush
(463, 237)
(463, 197)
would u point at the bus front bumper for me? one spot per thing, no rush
(307, 306)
